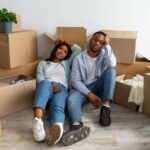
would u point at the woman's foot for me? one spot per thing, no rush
(38, 130)
(55, 135)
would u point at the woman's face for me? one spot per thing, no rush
(61, 52)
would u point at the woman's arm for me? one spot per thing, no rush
(76, 49)
(40, 72)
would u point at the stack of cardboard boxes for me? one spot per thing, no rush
(124, 46)
(18, 61)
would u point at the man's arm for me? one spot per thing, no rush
(76, 79)
(110, 59)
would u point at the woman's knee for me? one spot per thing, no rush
(44, 84)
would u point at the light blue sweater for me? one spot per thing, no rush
(43, 66)
(104, 60)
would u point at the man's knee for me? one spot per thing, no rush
(111, 71)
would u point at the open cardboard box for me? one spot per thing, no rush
(0, 129)
(72, 35)
(147, 69)
(137, 68)
(17, 93)
(146, 104)
(122, 92)
(27, 69)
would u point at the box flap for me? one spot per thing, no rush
(50, 36)
(72, 35)
(121, 34)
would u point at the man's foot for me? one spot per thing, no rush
(55, 134)
(105, 119)
(38, 130)
(76, 134)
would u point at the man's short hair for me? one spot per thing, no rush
(100, 32)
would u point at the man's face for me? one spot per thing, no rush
(97, 42)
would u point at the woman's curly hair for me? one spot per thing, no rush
(58, 45)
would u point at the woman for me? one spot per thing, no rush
(53, 79)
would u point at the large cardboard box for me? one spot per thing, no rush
(17, 93)
(18, 48)
(15, 26)
(146, 104)
(72, 35)
(122, 92)
(27, 69)
(123, 44)
(137, 68)
(0, 129)
(147, 69)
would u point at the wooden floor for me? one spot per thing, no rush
(128, 131)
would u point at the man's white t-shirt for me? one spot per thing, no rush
(91, 69)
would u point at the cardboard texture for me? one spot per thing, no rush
(18, 48)
(147, 69)
(15, 26)
(0, 129)
(20, 96)
(72, 35)
(27, 69)
(122, 92)
(137, 68)
(123, 44)
(53, 38)
(146, 104)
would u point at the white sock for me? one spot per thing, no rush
(106, 105)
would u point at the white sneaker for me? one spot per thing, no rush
(55, 135)
(38, 130)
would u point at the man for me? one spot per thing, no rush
(93, 79)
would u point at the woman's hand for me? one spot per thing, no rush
(94, 99)
(56, 88)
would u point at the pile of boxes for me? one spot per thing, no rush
(18, 62)
(18, 55)
(124, 46)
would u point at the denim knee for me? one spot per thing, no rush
(111, 72)
(44, 83)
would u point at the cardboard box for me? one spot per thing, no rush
(27, 69)
(18, 48)
(122, 92)
(147, 69)
(72, 35)
(17, 93)
(0, 129)
(15, 26)
(146, 104)
(123, 44)
(137, 68)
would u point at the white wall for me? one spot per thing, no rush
(46, 15)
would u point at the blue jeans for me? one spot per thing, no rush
(53, 102)
(103, 87)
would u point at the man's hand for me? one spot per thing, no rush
(56, 88)
(94, 99)
(106, 41)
